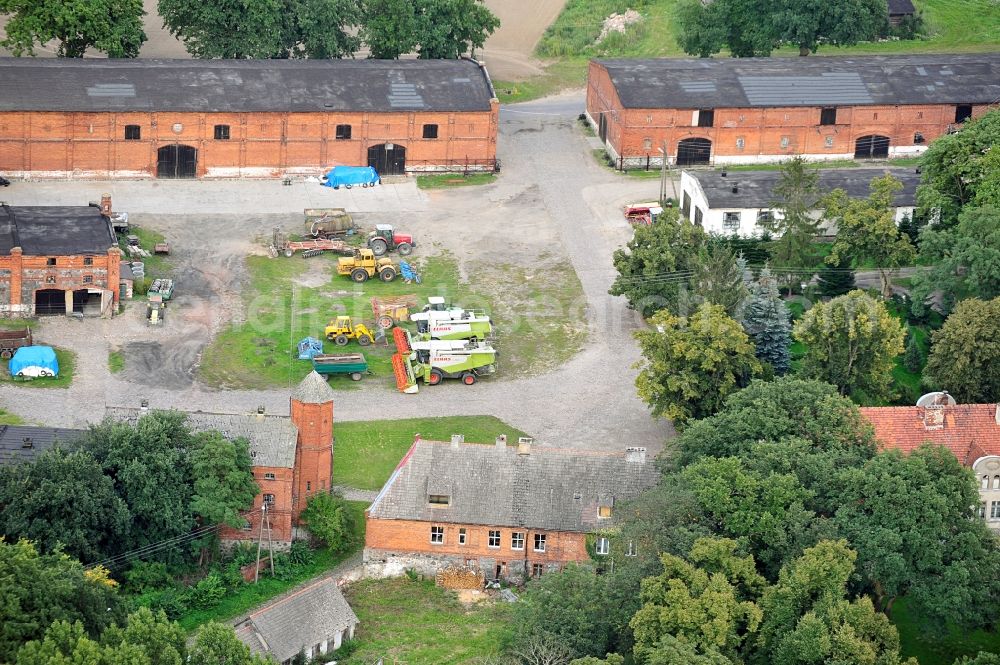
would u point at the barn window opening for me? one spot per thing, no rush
(268, 476)
(88, 279)
(963, 112)
(785, 141)
(461, 536)
(918, 138)
(88, 260)
(269, 498)
(438, 499)
(740, 142)
(50, 261)
(706, 117)
(132, 132)
(430, 131)
(828, 116)
(222, 132)
(437, 535)
(343, 132)
(828, 142)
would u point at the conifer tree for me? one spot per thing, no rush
(766, 320)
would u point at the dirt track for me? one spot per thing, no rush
(508, 52)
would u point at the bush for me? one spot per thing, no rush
(208, 592)
(300, 554)
(173, 602)
(147, 576)
(330, 521)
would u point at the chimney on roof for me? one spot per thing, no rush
(736, 189)
(502, 441)
(724, 174)
(144, 405)
(106, 205)
(934, 417)
(26, 442)
(524, 445)
(457, 439)
(635, 455)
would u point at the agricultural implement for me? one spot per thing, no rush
(390, 310)
(280, 244)
(643, 213)
(328, 223)
(164, 288)
(440, 321)
(436, 360)
(352, 364)
(12, 340)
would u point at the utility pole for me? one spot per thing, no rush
(265, 521)
(664, 173)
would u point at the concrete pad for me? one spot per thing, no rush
(174, 197)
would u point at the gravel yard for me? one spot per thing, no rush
(553, 210)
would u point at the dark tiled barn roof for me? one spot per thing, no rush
(547, 488)
(811, 81)
(21, 443)
(55, 230)
(92, 84)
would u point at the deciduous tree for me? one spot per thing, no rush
(691, 364)
(326, 28)
(223, 482)
(866, 229)
(231, 28)
(216, 643)
(706, 28)
(113, 27)
(330, 520)
(766, 320)
(965, 353)
(453, 28)
(851, 342)
(809, 23)
(389, 28)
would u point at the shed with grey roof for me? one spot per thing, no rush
(536, 487)
(271, 438)
(55, 230)
(22, 443)
(814, 81)
(313, 620)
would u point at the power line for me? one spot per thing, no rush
(150, 548)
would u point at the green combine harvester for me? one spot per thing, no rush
(435, 360)
(440, 321)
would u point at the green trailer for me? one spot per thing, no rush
(352, 364)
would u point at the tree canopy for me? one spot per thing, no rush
(851, 342)
(113, 27)
(330, 520)
(965, 353)
(767, 320)
(691, 364)
(796, 196)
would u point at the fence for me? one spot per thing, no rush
(464, 166)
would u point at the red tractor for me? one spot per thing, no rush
(383, 239)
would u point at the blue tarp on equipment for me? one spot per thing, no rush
(348, 176)
(34, 361)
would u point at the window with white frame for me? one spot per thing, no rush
(539, 542)
(630, 549)
(996, 482)
(985, 483)
(764, 217)
(462, 536)
(537, 569)
(740, 143)
(517, 540)
(437, 535)
(995, 510)
(731, 221)
(603, 546)
(269, 476)
(494, 540)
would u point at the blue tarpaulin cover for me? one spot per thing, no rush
(310, 347)
(350, 176)
(34, 361)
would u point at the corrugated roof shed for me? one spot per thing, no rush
(548, 488)
(95, 84)
(299, 620)
(812, 81)
(21, 443)
(755, 189)
(55, 230)
(271, 438)
(970, 431)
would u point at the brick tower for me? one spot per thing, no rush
(312, 414)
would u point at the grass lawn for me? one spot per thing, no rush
(414, 622)
(116, 361)
(365, 453)
(251, 595)
(7, 418)
(562, 74)
(939, 651)
(67, 363)
(291, 298)
(156, 265)
(15, 324)
(448, 180)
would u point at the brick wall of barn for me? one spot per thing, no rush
(760, 135)
(21, 276)
(39, 145)
(278, 483)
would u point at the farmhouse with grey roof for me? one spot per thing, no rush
(314, 620)
(509, 511)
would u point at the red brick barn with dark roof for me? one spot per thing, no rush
(98, 118)
(756, 110)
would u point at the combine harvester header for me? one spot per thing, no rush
(434, 360)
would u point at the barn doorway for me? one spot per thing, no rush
(49, 302)
(387, 158)
(694, 152)
(87, 302)
(602, 127)
(176, 161)
(872, 147)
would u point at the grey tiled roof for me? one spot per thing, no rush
(207, 86)
(55, 230)
(297, 621)
(548, 488)
(755, 188)
(313, 390)
(813, 81)
(20, 443)
(271, 438)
